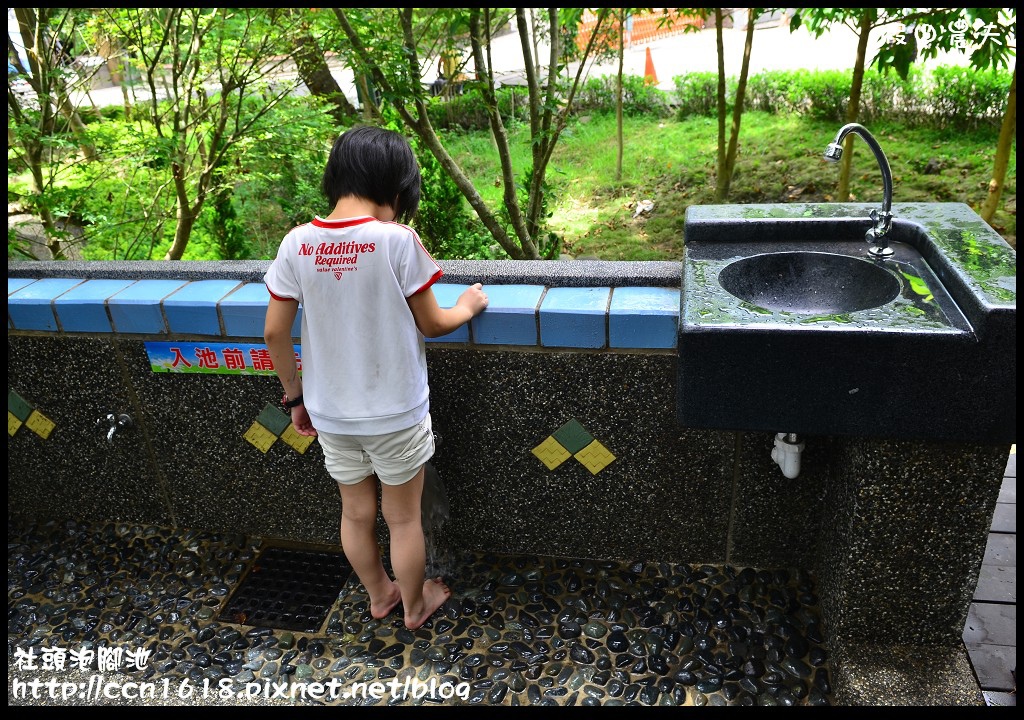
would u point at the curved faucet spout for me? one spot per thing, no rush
(882, 220)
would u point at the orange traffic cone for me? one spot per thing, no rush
(650, 77)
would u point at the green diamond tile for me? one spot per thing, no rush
(18, 406)
(274, 419)
(573, 436)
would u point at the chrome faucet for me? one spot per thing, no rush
(875, 236)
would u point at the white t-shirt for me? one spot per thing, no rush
(364, 364)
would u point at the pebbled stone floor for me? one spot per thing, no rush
(124, 614)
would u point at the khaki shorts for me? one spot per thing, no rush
(395, 457)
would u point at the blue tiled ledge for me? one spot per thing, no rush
(574, 317)
(621, 313)
(511, 315)
(31, 307)
(643, 317)
(139, 307)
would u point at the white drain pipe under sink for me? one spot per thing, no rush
(787, 453)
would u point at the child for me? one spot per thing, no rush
(364, 281)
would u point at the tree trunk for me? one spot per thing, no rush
(545, 126)
(1006, 133)
(618, 98)
(46, 83)
(737, 108)
(720, 180)
(46, 78)
(853, 109)
(85, 149)
(182, 233)
(53, 243)
(369, 102)
(186, 214)
(315, 73)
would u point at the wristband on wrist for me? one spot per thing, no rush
(288, 403)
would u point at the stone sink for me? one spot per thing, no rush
(804, 281)
(787, 325)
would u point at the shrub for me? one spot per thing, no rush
(776, 91)
(696, 93)
(950, 96)
(446, 228)
(828, 94)
(469, 112)
(638, 98)
(888, 96)
(964, 98)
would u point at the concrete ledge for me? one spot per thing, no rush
(554, 304)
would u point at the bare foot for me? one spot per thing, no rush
(435, 593)
(381, 610)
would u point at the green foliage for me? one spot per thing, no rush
(885, 95)
(268, 183)
(269, 179)
(777, 91)
(275, 176)
(119, 200)
(17, 246)
(950, 96)
(225, 229)
(549, 244)
(442, 220)
(696, 93)
(672, 164)
(964, 98)
(990, 33)
(469, 111)
(638, 97)
(828, 93)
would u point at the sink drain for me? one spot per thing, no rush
(288, 589)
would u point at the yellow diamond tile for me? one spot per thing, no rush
(13, 423)
(260, 437)
(297, 441)
(595, 457)
(551, 453)
(40, 424)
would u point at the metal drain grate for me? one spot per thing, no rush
(288, 589)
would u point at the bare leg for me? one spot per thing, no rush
(401, 507)
(359, 543)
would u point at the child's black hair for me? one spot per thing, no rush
(376, 164)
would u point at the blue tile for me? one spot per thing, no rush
(15, 284)
(643, 317)
(245, 311)
(138, 308)
(84, 307)
(510, 317)
(31, 308)
(446, 296)
(193, 309)
(574, 317)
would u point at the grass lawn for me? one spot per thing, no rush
(672, 163)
